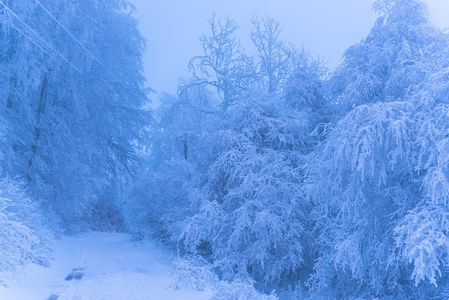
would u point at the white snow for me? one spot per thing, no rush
(113, 267)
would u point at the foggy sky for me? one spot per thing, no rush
(324, 27)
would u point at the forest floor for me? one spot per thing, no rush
(96, 266)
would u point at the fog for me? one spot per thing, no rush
(266, 177)
(324, 27)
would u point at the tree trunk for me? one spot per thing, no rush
(40, 112)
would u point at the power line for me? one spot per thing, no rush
(45, 42)
(31, 40)
(79, 43)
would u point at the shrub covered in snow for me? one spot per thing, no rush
(197, 274)
(24, 236)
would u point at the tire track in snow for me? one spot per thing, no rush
(114, 269)
(73, 280)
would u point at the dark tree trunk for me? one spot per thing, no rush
(40, 112)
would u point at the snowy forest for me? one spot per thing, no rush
(267, 176)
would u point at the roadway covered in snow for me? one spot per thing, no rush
(99, 266)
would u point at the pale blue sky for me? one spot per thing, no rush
(325, 27)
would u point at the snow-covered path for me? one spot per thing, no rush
(98, 266)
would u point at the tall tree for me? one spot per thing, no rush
(376, 181)
(390, 60)
(274, 58)
(224, 65)
(78, 112)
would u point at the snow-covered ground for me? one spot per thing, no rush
(103, 266)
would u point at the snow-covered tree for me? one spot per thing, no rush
(73, 104)
(247, 213)
(274, 57)
(362, 182)
(391, 59)
(422, 235)
(224, 64)
(377, 183)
